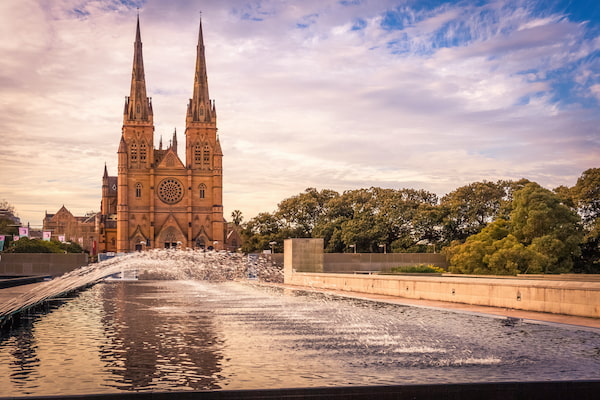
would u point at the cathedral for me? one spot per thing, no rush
(158, 200)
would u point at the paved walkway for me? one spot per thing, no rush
(467, 308)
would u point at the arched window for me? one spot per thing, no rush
(198, 153)
(133, 151)
(202, 190)
(138, 190)
(143, 151)
(206, 155)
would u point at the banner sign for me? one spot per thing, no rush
(24, 231)
(2, 239)
(46, 235)
(16, 237)
(61, 238)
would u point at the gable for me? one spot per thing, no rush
(171, 160)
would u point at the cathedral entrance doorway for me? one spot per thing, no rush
(170, 239)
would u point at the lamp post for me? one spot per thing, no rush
(384, 248)
(142, 243)
(272, 244)
(353, 246)
(215, 244)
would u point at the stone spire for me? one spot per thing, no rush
(175, 141)
(138, 107)
(200, 108)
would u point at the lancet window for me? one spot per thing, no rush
(138, 190)
(133, 151)
(198, 153)
(202, 190)
(206, 155)
(143, 151)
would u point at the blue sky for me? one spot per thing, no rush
(329, 94)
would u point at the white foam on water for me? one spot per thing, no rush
(217, 266)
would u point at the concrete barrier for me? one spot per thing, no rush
(351, 262)
(40, 263)
(559, 297)
(550, 295)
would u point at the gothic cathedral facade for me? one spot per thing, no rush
(157, 200)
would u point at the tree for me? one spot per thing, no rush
(259, 231)
(8, 220)
(468, 209)
(300, 213)
(585, 197)
(237, 217)
(26, 245)
(542, 235)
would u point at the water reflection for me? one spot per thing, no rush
(24, 361)
(155, 340)
(194, 335)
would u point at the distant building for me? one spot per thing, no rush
(80, 230)
(158, 200)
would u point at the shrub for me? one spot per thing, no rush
(417, 269)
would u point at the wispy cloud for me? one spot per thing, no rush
(340, 94)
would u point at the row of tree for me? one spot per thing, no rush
(26, 245)
(484, 227)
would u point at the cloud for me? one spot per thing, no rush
(337, 95)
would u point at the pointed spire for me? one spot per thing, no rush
(200, 108)
(175, 140)
(105, 171)
(138, 106)
(160, 143)
(122, 146)
(218, 150)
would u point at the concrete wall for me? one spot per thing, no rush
(40, 263)
(351, 262)
(559, 297)
(303, 255)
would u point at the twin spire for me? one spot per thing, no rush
(200, 107)
(138, 106)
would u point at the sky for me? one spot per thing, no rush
(331, 94)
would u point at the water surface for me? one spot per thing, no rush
(195, 335)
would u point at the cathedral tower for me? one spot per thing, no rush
(160, 201)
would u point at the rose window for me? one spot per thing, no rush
(170, 190)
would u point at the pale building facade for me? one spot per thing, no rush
(81, 230)
(158, 199)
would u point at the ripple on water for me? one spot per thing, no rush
(193, 335)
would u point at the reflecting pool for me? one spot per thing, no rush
(158, 335)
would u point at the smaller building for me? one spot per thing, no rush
(80, 230)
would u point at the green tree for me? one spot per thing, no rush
(26, 245)
(585, 197)
(301, 213)
(468, 209)
(542, 235)
(7, 224)
(259, 231)
(237, 217)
